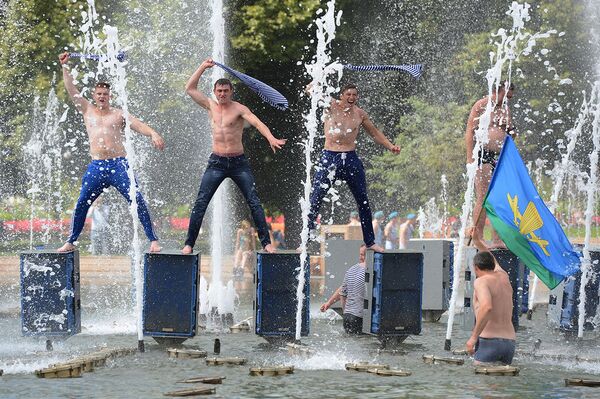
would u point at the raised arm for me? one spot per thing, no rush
(142, 128)
(252, 119)
(80, 103)
(472, 124)
(378, 136)
(191, 87)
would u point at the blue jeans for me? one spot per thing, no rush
(346, 166)
(101, 174)
(218, 169)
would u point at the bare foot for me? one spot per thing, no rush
(270, 248)
(376, 248)
(154, 246)
(187, 250)
(68, 247)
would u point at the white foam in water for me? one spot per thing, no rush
(320, 69)
(19, 366)
(322, 360)
(507, 45)
(115, 324)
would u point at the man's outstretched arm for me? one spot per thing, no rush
(191, 87)
(252, 119)
(80, 103)
(142, 128)
(378, 136)
(336, 296)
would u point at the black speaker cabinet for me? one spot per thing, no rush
(170, 294)
(50, 302)
(394, 289)
(275, 303)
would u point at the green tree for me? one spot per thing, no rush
(432, 141)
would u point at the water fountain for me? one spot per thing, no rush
(44, 166)
(320, 70)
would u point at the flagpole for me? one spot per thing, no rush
(481, 210)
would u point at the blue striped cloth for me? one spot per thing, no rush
(416, 70)
(264, 91)
(120, 56)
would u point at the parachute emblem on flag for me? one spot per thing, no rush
(528, 222)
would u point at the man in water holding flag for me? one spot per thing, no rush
(227, 119)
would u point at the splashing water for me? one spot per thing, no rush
(591, 189)
(444, 199)
(430, 219)
(560, 172)
(43, 160)
(319, 70)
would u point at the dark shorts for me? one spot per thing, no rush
(486, 156)
(352, 324)
(490, 350)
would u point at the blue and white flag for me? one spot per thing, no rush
(525, 224)
(416, 70)
(264, 91)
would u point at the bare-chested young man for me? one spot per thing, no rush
(343, 120)
(493, 337)
(227, 119)
(104, 125)
(500, 125)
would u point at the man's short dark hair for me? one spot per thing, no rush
(348, 87)
(223, 82)
(484, 260)
(505, 84)
(103, 85)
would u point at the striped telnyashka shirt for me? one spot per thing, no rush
(353, 289)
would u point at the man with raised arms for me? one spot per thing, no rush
(493, 337)
(227, 119)
(500, 125)
(104, 125)
(339, 161)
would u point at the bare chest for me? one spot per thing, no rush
(225, 119)
(339, 122)
(103, 123)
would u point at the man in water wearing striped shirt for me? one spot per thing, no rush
(352, 294)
